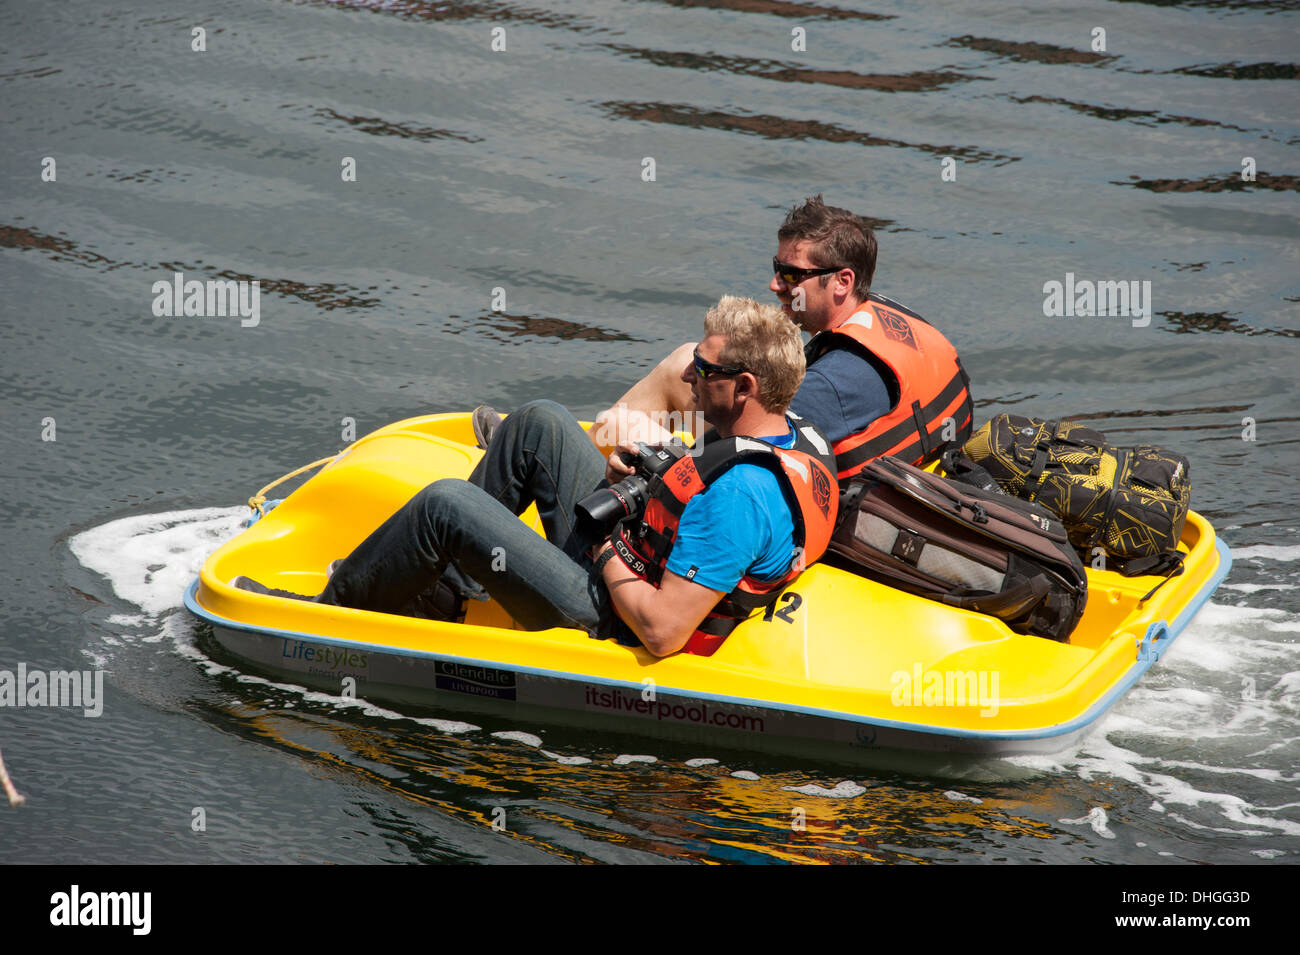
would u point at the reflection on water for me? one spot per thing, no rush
(1186, 323)
(916, 82)
(540, 326)
(1230, 182)
(780, 8)
(1142, 117)
(1246, 71)
(375, 126)
(660, 810)
(1224, 6)
(1028, 52)
(447, 10)
(1157, 413)
(326, 295)
(779, 127)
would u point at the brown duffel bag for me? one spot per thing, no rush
(962, 546)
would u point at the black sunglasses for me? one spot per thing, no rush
(793, 275)
(707, 369)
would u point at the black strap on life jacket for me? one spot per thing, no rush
(880, 444)
(645, 550)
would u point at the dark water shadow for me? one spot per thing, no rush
(778, 8)
(1227, 7)
(1244, 71)
(1187, 323)
(538, 326)
(326, 295)
(1140, 117)
(36, 72)
(780, 128)
(377, 126)
(454, 10)
(1028, 52)
(1228, 182)
(918, 82)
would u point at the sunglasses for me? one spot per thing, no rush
(707, 369)
(793, 275)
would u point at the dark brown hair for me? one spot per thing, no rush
(838, 238)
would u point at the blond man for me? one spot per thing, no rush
(715, 536)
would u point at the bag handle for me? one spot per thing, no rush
(1009, 604)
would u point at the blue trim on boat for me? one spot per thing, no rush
(1170, 631)
(267, 508)
(1139, 667)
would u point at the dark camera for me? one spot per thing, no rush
(604, 507)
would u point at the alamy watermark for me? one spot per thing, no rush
(214, 298)
(1084, 298)
(76, 688)
(75, 907)
(923, 687)
(623, 426)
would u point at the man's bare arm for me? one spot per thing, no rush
(663, 618)
(660, 398)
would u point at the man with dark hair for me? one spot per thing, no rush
(880, 379)
(834, 236)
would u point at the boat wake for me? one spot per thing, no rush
(150, 559)
(1210, 738)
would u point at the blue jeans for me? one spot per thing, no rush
(540, 454)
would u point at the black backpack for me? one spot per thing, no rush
(960, 545)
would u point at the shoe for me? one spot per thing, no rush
(486, 421)
(253, 587)
(442, 601)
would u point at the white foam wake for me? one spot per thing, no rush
(1278, 552)
(150, 559)
(1209, 734)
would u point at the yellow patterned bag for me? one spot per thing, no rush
(1123, 508)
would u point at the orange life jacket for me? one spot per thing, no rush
(933, 388)
(806, 475)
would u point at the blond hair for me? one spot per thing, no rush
(764, 342)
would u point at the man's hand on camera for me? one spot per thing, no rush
(616, 468)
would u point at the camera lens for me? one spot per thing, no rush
(600, 510)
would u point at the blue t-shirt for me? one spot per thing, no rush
(740, 525)
(841, 393)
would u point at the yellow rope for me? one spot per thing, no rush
(257, 500)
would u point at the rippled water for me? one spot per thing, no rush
(522, 169)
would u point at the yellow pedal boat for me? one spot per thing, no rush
(843, 664)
